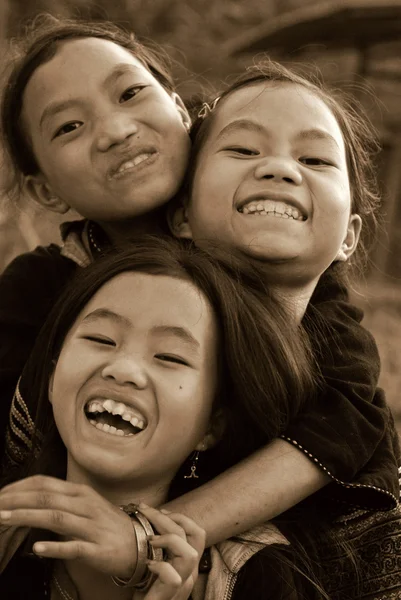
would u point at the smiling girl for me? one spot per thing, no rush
(127, 391)
(281, 172)
(119, 133)
(91, 122)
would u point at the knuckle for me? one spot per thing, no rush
(78, 550)
(44, 500)
(181, 532)
(193, 555)
(201, 533)
(39, 480)
(56, 517)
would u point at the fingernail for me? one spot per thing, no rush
(5, 515)
(151, 562)
(38, 548)
(165, 511)
(142, 505)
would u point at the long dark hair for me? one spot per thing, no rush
(266, 373)
(39, 45)
(265, 370)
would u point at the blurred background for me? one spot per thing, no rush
(355, 44)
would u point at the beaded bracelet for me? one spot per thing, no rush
(142, 578)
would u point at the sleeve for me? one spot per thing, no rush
(28, 288)
(347, 429)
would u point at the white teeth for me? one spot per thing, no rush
(109, 429)
(273, 209)
(138, 159)
(133, 163)
(108, 405)
(116, 408)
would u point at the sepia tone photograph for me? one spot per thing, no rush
(200, 299)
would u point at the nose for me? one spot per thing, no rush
(126, 370)
(115, 129)
(278, 168)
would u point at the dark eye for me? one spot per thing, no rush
(314, 162)
(99, 340)
(130, 93)
(171, 358)
(242, 150)
(67, 128)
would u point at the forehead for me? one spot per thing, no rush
(78, 64)
(150, 300)
(275, 105)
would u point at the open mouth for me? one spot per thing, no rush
(134, 163)
(114, 417)
(272, 208)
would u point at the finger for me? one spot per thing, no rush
(43, 483)
(196, 536)
(54, 520)
(43, 499)
(162, 522)
(69, 550)
(168, 581)
(181, 555)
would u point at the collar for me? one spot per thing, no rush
(230, 556)
(74, 235)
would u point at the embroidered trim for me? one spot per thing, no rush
(21, 429)
(63, 593)
(342, 483)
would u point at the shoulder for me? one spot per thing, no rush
(36, 270)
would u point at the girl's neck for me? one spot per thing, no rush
(295, 299)
(118, 492)
(119, 232)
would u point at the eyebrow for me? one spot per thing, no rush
(180, 332)
(316, 134)
(54, 108)
(252, 126)
(177, 331)
(119, 70)
(106, 313)
(241, 125)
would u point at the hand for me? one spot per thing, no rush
(183, 542)
(97, 533)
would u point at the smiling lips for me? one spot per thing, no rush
(272, 208)
(132, 163)
(114, 417)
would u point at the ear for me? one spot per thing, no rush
(186, 119)
(178, 222)
(50, 387)
(214, 433)
(351, 239)
(40, 191)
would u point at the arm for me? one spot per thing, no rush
(278, 477)
(28, 288)
(257, 489)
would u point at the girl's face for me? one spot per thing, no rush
(272, 180)
(133, 388)
(109, 139)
